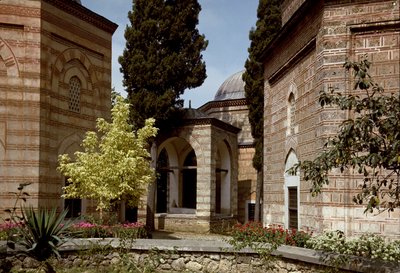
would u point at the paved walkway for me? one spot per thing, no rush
(161, 234)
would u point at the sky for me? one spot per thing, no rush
(225, 24)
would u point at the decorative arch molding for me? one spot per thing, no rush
(64, 58)
(10, 61)
(291, 144)
(292, 90)
(82, 75)
(67, 144)
(290, 160)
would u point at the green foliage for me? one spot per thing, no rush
(43, 232)
(93, 230)
(338, 250)
(115, 162)
(267, 26)
(40, 232)
(162, 57)
(265, 240)
(368, 142)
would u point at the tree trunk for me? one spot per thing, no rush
(151, 191)
(259, 193)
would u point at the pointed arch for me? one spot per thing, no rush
(291, 192)
(67, 56)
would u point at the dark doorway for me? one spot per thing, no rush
(189, 181)
(73, 205)
(162, 182)
(131, 215)
(162, 193)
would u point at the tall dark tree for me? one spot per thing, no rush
(267, 26)
(162, 57)
(161, 60)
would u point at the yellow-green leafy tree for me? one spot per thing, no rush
(114, 163)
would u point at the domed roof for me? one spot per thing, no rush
(232, 88)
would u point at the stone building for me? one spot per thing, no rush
(206, 179)
(306, 57)
(55, 80)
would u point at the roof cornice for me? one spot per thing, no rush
(222, 103)
(84, 14)
(213, 122)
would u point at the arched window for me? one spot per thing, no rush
(291, 109)
(292, 193)
(74, 94)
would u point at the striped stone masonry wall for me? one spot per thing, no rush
(347, 30)
(42, 46)
(20, 99)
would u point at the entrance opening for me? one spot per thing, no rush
(73, 205)
(189, 181)
(162, 182)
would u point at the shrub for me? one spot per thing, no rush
(255, 232)
(86, 229)
(370, 246)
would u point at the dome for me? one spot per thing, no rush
(232, 88)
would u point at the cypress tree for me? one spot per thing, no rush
(162, 57)
(267, 26)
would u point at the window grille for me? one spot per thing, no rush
(293, 208)
(74, 94)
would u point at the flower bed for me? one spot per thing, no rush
(255, 232)
(85, 229)
(91, 230)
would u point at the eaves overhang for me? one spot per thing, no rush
(84, 14)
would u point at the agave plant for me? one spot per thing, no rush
(43, 232)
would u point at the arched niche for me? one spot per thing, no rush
(76, 207)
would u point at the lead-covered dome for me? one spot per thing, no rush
(232, 88)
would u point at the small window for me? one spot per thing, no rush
(74, 94)
(251, 211)
(293, 209)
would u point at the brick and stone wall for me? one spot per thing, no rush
(43, 45)
(235, 112)
(313, 62)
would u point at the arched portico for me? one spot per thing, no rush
(177, 177)
(197, 177)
